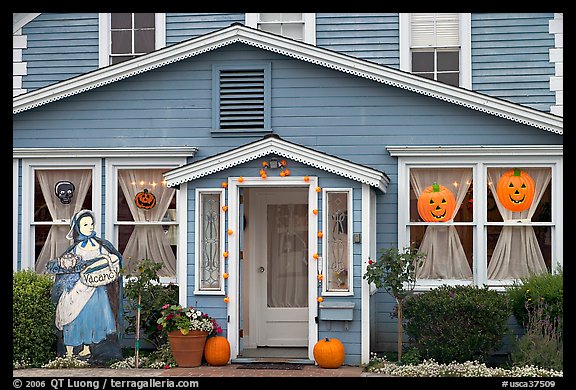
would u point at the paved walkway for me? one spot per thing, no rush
(230, 370)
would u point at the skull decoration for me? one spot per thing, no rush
(64, 190)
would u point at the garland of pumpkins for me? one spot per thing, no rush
(328, 353)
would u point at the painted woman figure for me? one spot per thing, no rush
(84, 312)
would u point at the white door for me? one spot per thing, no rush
(280, 271)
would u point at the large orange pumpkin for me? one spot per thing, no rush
(436, 204)
(329, 353)
(217, 351)
(515, 190)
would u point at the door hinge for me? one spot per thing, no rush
(316, 319)
(241, 255)
(241, 333)
(228, 319)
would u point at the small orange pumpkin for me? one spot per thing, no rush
(515, 190)
(329, 353)
(436, 204)
(145, 200)
(217, 351)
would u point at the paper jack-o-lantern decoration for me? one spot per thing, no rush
(145, 199)
(436, 204)
(515, 190)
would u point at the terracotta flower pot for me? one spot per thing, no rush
(187, 349)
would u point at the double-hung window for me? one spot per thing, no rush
(298, 26)
(483, 216)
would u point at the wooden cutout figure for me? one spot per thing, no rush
(87, 294)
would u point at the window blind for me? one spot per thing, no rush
(434, 30)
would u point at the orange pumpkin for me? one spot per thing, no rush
(329, 353)
(515, 190)
(145, 200)
(436, 204)
(217, 351)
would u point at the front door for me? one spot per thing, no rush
(280, 269)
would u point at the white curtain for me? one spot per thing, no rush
(148, 241)
(287, 255)
(517, 253)
(445, 256)
(56, 242)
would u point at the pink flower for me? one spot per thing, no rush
(166, 306)
(166, 366)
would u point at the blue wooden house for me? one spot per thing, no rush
(282, 151)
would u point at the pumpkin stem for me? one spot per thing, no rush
(516, 172)
(435, 187)
(327, 339)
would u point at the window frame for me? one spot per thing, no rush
(465, 47)
(104, 36)
(29, 167)
(480, 161)
(198, 247)
(309, 19)
(350, 227)
(111, 208)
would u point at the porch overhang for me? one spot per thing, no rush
(272, 144)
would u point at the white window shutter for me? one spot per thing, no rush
(434, 30)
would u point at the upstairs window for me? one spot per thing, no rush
(124, 36)
(436, 46)
(298, 26)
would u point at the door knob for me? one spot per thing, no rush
(261, 269)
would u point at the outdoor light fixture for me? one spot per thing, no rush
(273, 163)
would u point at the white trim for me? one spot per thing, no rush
(275, 145)
(182, 260)
(299, 50)
(465, 47)
(28, 168)
(112, 165)
(198, 246)
(104, 36)
(15, 194)
(470, 151)
(479, 160)
(21, 20)
(147, 152)
(233, 257)
(367, 245)
(350, 226)
(556, 27)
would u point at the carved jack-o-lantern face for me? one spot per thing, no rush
(145, 200)
(436, 204)
(515, 190)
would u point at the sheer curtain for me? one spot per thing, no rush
(148, 241)
(445, 257)
(287, 255)
(56, 242)
(517, 253)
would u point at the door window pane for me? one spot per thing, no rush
(338, 241)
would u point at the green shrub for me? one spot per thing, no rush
(532, 289)
(33, 331)
(456, 323)
(542, 344)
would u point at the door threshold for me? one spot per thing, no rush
(245, 360)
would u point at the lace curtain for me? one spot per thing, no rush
(445, 256)
(148, 241)
(517, 253)
(56, 242)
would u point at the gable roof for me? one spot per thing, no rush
(238, 33)
(272, 144)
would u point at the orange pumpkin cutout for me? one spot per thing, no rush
(217, 351)
(436, 204)
(329, 353)
(145, 200)
(515, 190)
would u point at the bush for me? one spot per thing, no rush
(536, 288)
(456, 323)
(33, 330)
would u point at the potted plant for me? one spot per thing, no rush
(187, 330)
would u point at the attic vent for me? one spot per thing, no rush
(242, 99)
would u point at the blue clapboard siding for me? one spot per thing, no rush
(60, 46)
(510, 57)
(183, 26)
(332, 112)
(369, 36)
